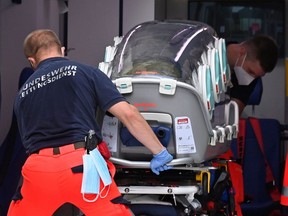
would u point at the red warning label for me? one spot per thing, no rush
(182, 121)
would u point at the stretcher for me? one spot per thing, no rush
(176, 74)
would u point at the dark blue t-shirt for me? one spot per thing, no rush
(241, 92)
(58, 103)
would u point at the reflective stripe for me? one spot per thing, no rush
(284, 194)
(284, 191)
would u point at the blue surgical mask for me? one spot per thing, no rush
(90, 179)
(243, 77)
(102, 169)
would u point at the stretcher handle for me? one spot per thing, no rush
(146, 164)
(235, 121)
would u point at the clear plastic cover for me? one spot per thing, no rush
(170, 48)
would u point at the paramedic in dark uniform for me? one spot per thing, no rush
(55, 110)
(248, 61)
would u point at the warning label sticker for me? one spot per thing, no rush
(185, 143)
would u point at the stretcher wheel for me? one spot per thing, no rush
(205, 184)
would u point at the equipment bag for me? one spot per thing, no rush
(258, 151)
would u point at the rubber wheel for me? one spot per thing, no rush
(205, 184)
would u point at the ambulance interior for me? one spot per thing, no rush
(184, 64)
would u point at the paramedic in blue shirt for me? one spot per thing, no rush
(248, 61)
(55, 109)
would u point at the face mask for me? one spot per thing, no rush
(102, 169)
(243, 77)
(90, 179)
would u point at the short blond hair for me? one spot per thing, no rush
(40, 39)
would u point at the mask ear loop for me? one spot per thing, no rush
(101, 196)
(243, 60)
(237, 61)
(88, 200)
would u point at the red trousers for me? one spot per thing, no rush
(284, 194)
(48, 183)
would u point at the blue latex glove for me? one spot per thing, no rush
(159, 161)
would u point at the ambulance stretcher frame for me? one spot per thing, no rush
(214, 141)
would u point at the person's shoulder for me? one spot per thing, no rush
(90, 70)
(84, 66)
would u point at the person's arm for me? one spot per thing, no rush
(137, 125)
(140, 129)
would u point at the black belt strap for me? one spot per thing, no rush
(77, 145)
(56, 150)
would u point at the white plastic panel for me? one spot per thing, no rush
(167, 86)
(159, 117)
(124, 85)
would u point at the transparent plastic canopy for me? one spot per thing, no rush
(168, 48)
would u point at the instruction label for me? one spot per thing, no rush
(185, 143)
(110, 132)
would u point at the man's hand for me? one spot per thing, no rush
(159, 161)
